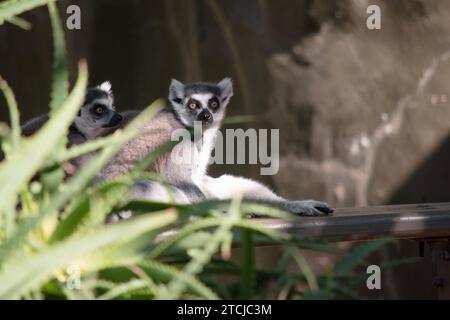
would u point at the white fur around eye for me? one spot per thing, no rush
(203, 98)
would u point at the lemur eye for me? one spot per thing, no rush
(98, 109)
(214, 104)
(193, 105)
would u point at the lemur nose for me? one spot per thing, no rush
(119, 117)
(205, 116)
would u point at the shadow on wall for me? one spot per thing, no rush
(430, 182)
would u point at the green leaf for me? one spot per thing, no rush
(123, 288)
(306, 269)
(204, 255)
(78, 211)
(80, 149)
(272, 234)
(247, 264)
(11, 8)
(19, 276)
(21, 23)
(78, 182)
(90, 208)
(41, 144)
(184, 232)
(14, 134)
(9, 145)
(357, 255)
(166, 273)
(159, 273)
(60, 82)
(121, 253)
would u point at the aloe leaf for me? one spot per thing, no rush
(204, 255)
(21, 23)
(19, 276)
(41, 144)
(357, 255)
(60, 81)
(78, 182)
(166, 273)
(13, 109)
(11, 8)
(247, 264)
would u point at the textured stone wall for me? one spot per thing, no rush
(377, 101)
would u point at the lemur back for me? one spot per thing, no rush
(154, 134)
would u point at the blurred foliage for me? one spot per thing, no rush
(54, 242)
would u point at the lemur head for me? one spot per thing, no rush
(200, 101)
(97, 116)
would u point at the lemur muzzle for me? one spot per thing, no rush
(205, 116)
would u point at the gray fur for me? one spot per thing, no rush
(87, 125)
(86, 120)
(190, 180)
(159, 131)
(93, 124)
(156, 191)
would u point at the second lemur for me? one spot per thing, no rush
(97, 117)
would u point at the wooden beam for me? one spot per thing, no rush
(428, 222)
(413, 221)
(416, 221)
(440, 254)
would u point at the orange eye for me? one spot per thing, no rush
(193, 106)
(214, 104)
(99, 110)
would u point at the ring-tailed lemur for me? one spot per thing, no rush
(206, 103)
(97, 117)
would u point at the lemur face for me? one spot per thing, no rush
(97, 115)
(199, 101)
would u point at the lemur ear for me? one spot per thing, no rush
(226, 89)
(105, 86)
(176, 91)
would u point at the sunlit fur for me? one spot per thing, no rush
(189, 180)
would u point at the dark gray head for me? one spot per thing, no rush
(200, 101)
(97, 115)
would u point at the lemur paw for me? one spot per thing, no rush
(309, 208)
